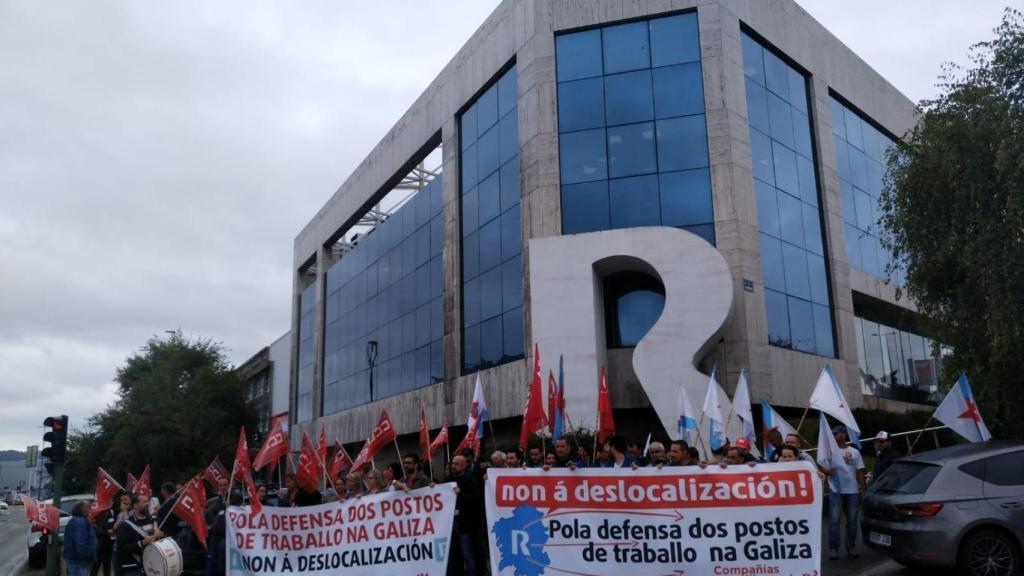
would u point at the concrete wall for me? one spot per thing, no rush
(280, 362)
(524, 30)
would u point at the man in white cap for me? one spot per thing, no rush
(885, 454)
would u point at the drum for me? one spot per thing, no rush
(163, 558)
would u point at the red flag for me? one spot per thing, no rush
(141, 485)
(129, 486)
(308, 473)
(552, 401)
(383, 433)
(340, 461)
(605, 423)
(214, 473)
(424, 434)
(321, 445)
(41, 513)
(200, 490)
(275, 446)
(441, 438)
(189, 508)
(533, 414)
(106, 489)
(242, 468)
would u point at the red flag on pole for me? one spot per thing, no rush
(141, 485)
(275, 446)
(106, 489)
(242, 469)
(552, 401)
(213, 474)
(200, 490)
(340, 461)
(533, 416)
(424, 434)
(307, 474)
(189, 508)
(41, 513)
(605, 423)
(382, 434)
(129, 485)
(441, 438)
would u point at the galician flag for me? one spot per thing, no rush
(828, 450)
(741, 406)
(713, 412)
(475, 421)
(828, 398)
(959, 411)
(686, 428)
(772, 420)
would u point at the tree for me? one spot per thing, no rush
(179, 404)
(953, 211)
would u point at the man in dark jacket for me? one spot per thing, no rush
(104, 526)
(468, 518)
(168, 522)
(79, 541)
(135, 533)
(885, 454)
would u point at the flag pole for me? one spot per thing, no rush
(395, 439)
(700, 440)
(910, 450)
(171, 511)
(801, 423)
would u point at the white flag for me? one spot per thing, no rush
(741, 406)
(686, 428)
(829, 398)
(828, 449)
(713, 412)
(959, 411)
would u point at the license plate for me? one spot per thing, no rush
(880, 539)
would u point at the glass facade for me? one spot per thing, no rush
(384, 308)
(896, 364)
(633, 303)
(307, 355)
(632, 134)
(860, 162)
(492, 245)
(797, 297)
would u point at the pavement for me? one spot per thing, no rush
(13, 542)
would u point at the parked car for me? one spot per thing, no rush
(38, 537)
(960, 506)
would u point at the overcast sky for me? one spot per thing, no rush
(158, 159)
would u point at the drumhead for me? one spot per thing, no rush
(162, 558)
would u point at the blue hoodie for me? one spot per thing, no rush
(79, 541)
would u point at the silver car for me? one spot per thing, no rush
(960, 506)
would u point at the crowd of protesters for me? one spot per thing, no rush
(116, 538)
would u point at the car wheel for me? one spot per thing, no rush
(989, 553)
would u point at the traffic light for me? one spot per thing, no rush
(57, 436)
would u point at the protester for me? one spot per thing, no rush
(498, 459)
(846, 484)
(103, 524)
(414, 476)
(793, 441)
(658, 456)
(550, 460)
(885, 454)
(170, 525)
(775, 440)
(392, 473)
(124, 508)
(536, 458)
(468, 518)
(373, 480)
(218, 502)
(789, 454)
(134, 533)
(514, 458)
(302, 496)
(261, 494)
(584, 456)
(615, 446)
(216, 561)
(743, 446)
(564, 453)
(353, 486)
(679, 454)
(79, 541)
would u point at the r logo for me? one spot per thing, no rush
(567, 304)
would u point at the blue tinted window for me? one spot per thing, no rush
(631, 150)
(771, 263)
(678, 90)
(865, 211)
(585, 207)
(628, 97)
(634, 201)
(492, 241)
(469, 167)
(852, 236)
(581, 104)
(620, 169)
(761, 157)
(578, 55)
(674, 40)
(853, 131)
(583, 157)
(823, 339)
(682, 143)
(512, 324)
(778, 319)
(686, 198)
(626, 47)
(757, 106)
(869, 255)
(383, 291)
(467, 128)
(512, 284)
(801, 325)
(786, 189)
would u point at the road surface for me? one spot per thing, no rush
(13, 541)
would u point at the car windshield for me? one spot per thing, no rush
(907, 478)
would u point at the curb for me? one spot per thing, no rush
(19, 567)
(881, 568)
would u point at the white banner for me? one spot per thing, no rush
(387, 534)
(740, 520)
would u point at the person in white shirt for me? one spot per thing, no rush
(846, 484)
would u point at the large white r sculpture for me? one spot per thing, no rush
(566, 291)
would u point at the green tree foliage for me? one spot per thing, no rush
(179, 404)
(954, 216)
